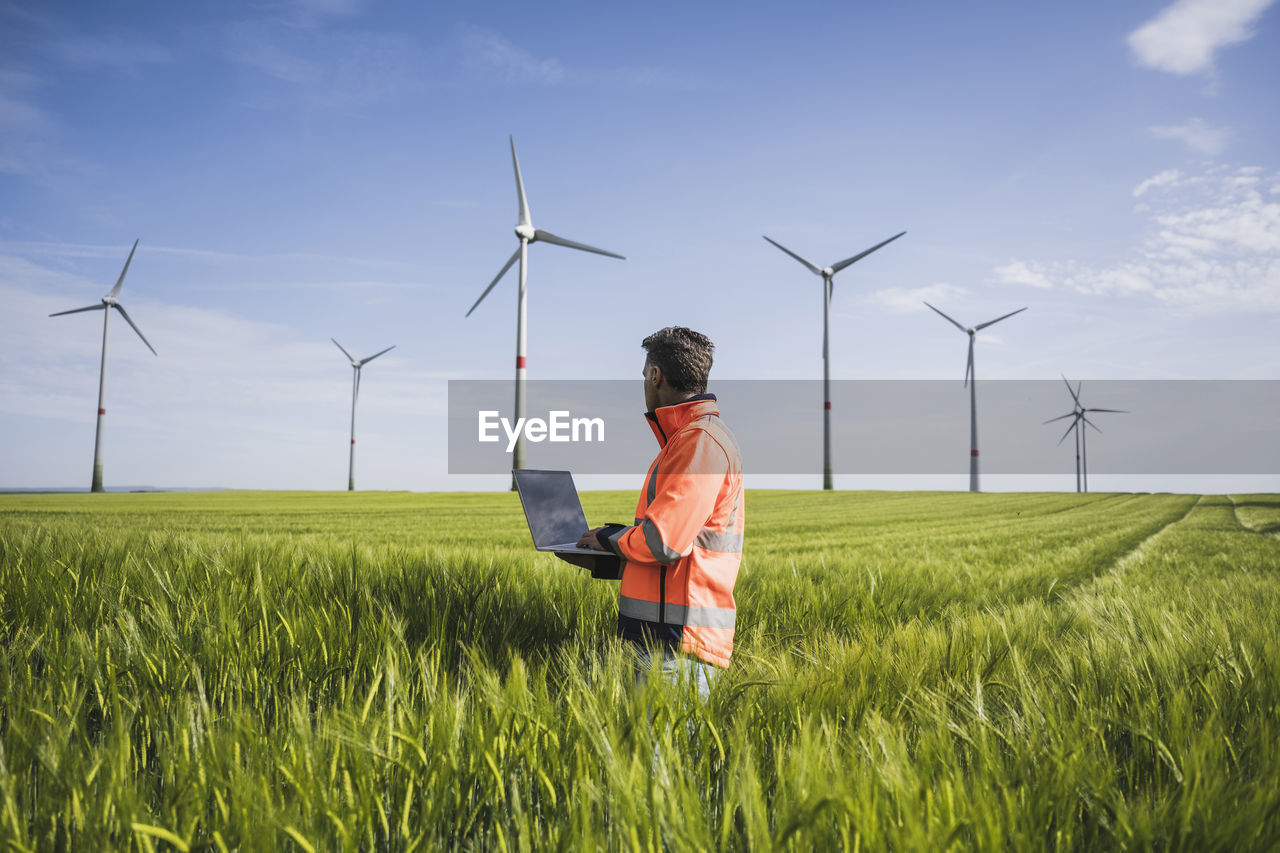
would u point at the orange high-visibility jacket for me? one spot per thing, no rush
(680, 560)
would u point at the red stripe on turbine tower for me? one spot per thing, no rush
(827, 405)
(520, 362)
(353, 441)
(102, 411)
(973, 453)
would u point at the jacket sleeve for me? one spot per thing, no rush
(689, 479)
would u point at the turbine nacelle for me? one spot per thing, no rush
(359, 363)
(972, 332)
(526, 232)
(829, 272)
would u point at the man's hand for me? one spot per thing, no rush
(585, 561)
(591, 540)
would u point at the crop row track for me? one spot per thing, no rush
(1257, 513)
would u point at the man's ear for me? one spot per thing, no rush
(655, 377)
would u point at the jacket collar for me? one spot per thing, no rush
(666, 421)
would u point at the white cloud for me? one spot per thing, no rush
(329, 66)
(15, 112)
(63, 250)
(119, 51)
(1018, 272)
(23, 124)
(491, 51)
(356, 267)
(330, 8)
(1196, 134)
(904, 300)
(1169, 177)
(259, 52)
(1212, 245)
(1183, 37)
(493, 54)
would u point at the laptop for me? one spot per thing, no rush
(553, 510)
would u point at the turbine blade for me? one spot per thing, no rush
(1117, 411)
(842, 264)
(953, 322)
(813, 268)
(548, 237)
(363, 362)
(129, 320)
(524, 202)
(1075, 394)
(982, 326)
(1060, 417)
(496, 279)
(120, 281)
(344, 352)
(968, 368)
(1090, 423)
(1074, 424)
(99, 307)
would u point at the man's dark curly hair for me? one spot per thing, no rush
(684, 356)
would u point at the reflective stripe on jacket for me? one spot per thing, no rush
(680, 559)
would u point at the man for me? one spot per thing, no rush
(679, 561)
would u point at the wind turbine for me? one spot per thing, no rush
(355, 392)
(969, 375)
(527, 234)
(108, 301)
(1078, 415)
(827, 274)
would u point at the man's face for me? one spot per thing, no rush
(650, 389)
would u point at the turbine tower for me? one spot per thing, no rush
(971, 380)
(1078, 415)
(827, 274)
(526, 234)
(355, 392)
(109, 301)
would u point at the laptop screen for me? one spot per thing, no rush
(551, 505)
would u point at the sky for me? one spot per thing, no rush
(303, 170)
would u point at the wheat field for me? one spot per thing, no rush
(380, 671)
